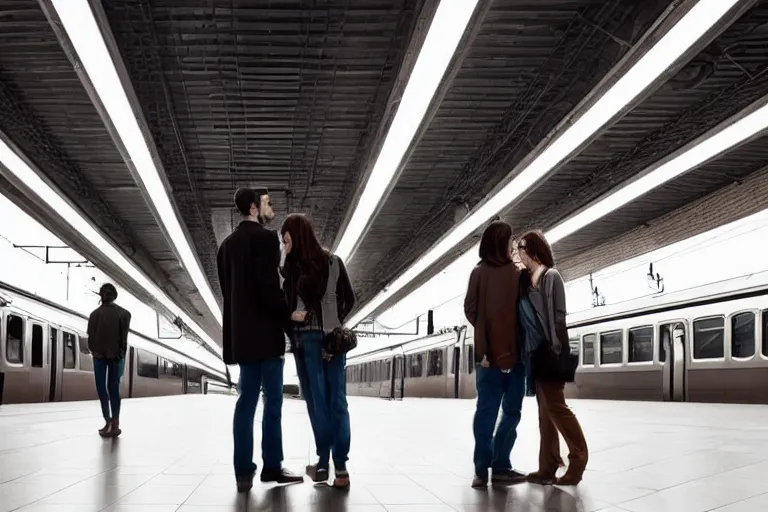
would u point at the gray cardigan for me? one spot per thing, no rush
(549, 302)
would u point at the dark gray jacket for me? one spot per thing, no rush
(549, 302)
(108, 328)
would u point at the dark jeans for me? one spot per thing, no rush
(107, 373)
(266, 373)
(306, 392)
(324, 388)
(496, 388)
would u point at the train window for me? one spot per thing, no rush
(574, 343)
(417, 365)
(14, 339)
(435, 361)
(588, 357)
(640, 344)
(70, 344)
(389, 370)
(37, 346)
(470, 358)
(147, 365)
(743, 335)
(709, 338)
(765, 332)
(86, 362)
(665, 339)
(611, 347)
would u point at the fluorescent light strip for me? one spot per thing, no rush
(697, 155)
(83, 31)
(444, 34)
(50, 197)
(707, 149)
(655, 62)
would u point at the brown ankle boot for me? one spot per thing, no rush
(114, 431)
(570, 478)
(542, 477)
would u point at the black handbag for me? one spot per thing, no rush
(339, 341)
(550, 366)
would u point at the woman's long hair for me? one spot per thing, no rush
(494, 246)
(538, 248)
(308, 256)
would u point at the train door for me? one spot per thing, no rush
(392, 378)
(131, 370)
(55, 365)
(399, 378)
(672, 358)
(456, 370)
(39, 374)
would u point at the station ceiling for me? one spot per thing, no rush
(297, 96)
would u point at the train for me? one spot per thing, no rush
(704, 344)
(44, 357)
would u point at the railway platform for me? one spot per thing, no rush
(411, 455)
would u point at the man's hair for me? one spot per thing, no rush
(108, 293)
(245, 197)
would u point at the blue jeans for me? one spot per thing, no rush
(266, 373)
(326, 396)
(306, 391)
(496, 388)
(107, 373)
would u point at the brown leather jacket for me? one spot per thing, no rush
(491, 307)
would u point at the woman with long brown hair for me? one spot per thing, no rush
(320, 295)
(491, 307)
(542, 312)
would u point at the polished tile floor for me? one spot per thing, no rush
(415, 455)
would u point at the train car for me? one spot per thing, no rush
(44, 357)
(426, 367)
(705, 344)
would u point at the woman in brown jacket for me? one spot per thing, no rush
(491, 307)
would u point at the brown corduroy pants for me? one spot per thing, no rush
(555, 416)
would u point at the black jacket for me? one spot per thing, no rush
(345, 296)
(255, 312)
(108, 328)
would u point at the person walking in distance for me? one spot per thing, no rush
(490, 306)
(108, 328)
(256, 316)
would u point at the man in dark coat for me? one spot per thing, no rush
(255, 319)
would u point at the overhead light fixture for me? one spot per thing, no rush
(707, 148)
(656, 61)
(727, 138)
(24, 173)
(445, 32)
(84, 33)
